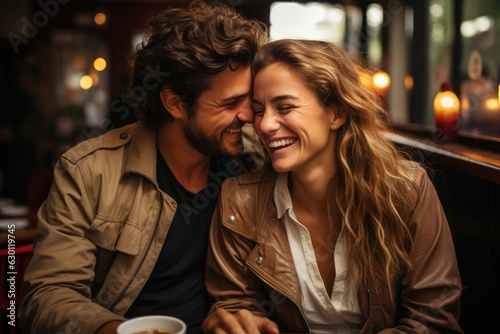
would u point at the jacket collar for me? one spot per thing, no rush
(141, 154)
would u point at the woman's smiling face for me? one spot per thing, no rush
(296, 130)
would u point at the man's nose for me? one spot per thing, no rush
(245, 113)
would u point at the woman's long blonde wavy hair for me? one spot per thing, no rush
(372, 187)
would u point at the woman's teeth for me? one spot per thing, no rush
(281, 143)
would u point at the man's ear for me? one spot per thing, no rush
(172, 103)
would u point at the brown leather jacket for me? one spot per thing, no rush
(250, 265)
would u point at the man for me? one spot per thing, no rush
(123, 232)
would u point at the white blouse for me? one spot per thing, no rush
(340, 312)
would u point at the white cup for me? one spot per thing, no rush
(146, 324)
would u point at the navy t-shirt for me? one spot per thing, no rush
(176, 286)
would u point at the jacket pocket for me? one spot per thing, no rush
(114, 235)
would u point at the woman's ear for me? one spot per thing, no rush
(172, 103)
(337, 120)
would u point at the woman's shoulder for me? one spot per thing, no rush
(261, 177)
(252, 187)
(416, 171)
(422, 181)
(246, 201)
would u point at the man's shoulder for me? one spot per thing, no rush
(108, 141)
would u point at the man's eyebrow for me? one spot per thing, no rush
(234, 97)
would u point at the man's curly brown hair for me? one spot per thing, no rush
(186, 47)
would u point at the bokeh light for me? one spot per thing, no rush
(100, 19)
(100, 64)
(86, 82)
(381, 80)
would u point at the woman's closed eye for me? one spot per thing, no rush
(284, 109)
(258, 109)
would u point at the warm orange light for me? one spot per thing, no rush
(446, 104)
(464, 102)
(100, 64)
(95, 78)
(86, 82)
(100, 19)
(492, 104)
(408, 82)
(381, 80)
(446, 111)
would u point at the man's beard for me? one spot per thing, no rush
(209, 144)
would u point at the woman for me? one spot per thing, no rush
(342, 234)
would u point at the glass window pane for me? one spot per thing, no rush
(441, 37)
(479, 68)
(374, 22)
(319, 21)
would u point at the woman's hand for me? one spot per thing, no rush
(241, 322)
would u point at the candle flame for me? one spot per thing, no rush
(447, 102)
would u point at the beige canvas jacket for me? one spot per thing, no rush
(250, 265)
(96, 231)
(99, 234)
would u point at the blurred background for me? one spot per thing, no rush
(64, 72)
(64, 78)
